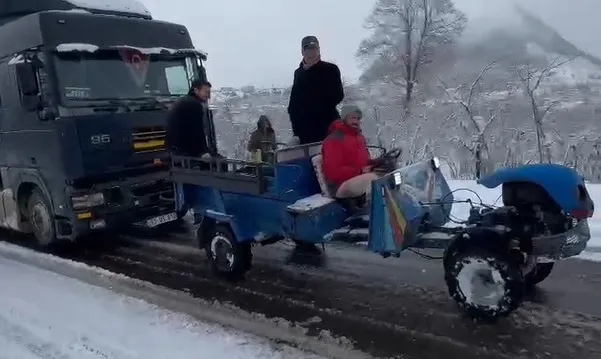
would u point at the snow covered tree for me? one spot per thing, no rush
(532, 77)
(473, 127)
(406, 36)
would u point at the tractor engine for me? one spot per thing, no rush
(528, 212)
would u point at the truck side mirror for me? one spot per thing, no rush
(28, 82)
(28, 86)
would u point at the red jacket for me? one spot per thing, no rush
(344, 153)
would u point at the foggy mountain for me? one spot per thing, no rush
(519, 37)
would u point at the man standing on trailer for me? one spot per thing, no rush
(190, 127)
(316, 91)
(191, 131)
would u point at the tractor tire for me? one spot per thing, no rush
(229, 258)
(486, 285)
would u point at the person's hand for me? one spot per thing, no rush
(366, 169)
(205, 157)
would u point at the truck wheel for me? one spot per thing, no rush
(41, 219)
(228, 257)
(486, 285)
(540, 272)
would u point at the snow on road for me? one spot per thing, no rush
(493, 196)
(50, 316)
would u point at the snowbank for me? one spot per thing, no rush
(88, 283)
(43, 314)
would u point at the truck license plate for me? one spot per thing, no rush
(165, 218)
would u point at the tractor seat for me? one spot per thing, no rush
(317, 162)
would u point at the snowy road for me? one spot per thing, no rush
(50, 316)
(387, 308)
(384, 307)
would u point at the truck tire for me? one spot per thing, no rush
(41, 218)
(540, 272)
(228, 257)
(484, 284)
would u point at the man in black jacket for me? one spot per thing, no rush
(190, 128)
(316, 91)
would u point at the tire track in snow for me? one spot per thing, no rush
(512, 337)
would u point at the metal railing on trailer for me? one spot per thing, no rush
(223, 174)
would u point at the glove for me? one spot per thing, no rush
(205, 157)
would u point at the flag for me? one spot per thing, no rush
(137, 63)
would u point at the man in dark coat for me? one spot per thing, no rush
(191, 133)
(190, 127)
(316, 91)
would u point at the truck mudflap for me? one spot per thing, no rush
(404, 202)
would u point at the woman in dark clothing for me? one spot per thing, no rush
(263, 139)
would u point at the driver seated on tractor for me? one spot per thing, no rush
(346, 164)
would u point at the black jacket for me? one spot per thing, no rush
(190, 128)
(316, 92)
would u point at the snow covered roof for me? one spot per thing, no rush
(127, 6)
(80, 47)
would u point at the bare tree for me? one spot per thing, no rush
(474, 137)
(407, 35)
(532, 77)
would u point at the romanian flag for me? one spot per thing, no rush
(396, 218)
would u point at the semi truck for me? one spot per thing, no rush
(85, 87)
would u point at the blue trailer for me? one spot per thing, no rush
(489, 260)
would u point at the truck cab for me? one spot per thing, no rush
(84, 95)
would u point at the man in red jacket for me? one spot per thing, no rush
(346, 165)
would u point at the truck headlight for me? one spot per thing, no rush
(88, 200)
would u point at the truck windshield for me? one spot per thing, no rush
(122, 74)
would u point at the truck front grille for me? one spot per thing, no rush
(149, 139)
(154, 193)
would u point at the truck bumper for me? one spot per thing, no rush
(147, 198)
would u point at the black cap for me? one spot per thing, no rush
(309, 41)
(198, 83)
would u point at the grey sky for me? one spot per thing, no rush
(258, 41)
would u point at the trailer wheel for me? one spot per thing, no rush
(40, 217)
(484, 284)
(228, 257)
(540, 272)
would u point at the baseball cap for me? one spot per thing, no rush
(309, 41)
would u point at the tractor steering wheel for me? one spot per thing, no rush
(388, 161)
(393, 153)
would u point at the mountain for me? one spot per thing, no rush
(519, 37)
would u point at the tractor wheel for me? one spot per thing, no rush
(540, 272)
(228, 257)
(484, 284)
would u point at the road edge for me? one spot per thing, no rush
(280, 331)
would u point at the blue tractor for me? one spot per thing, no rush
(488, 262)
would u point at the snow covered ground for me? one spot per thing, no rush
(48, 315)
(493, 196)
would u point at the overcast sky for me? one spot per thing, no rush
(258, 41)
